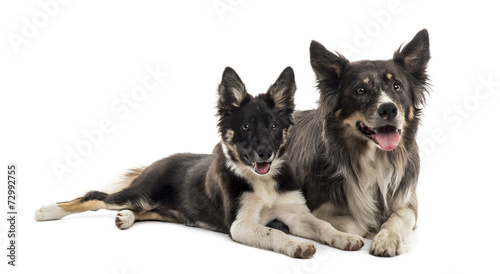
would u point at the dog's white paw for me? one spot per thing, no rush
(301, 250)
(50, 212)
(124, 219)
(347, 241)
(386, 244)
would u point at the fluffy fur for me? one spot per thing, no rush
(356, 155)
(244, 184)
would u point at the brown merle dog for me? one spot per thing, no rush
(356, 155)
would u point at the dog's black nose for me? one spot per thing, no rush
(388, 111)
(264, 154)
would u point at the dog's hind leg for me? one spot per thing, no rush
(345, 224)
(340, 220)
(129, 198)
(126, 218)
(93, 200)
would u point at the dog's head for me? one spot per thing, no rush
(374, 101)
(253, 129)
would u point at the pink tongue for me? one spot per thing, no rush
(386, 137)
(262, 168)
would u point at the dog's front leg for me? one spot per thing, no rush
(246, 229)
(390, 240)
(251, 233)
(293, 211)
(308, 226)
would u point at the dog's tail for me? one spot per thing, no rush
(93, 200)
(125, 181)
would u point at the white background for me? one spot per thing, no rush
(64, 74)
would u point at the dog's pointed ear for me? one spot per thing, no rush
(283, 91)
(415, 55)
(232, 93)
(328, 67)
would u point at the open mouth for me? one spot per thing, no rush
(387, 137)
(261, 168)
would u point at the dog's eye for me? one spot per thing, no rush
(246, 127)
(360, 91)
(397, 86)
(274, 127)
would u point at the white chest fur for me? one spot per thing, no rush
(373, 178)
(376, 171)
(264, 203)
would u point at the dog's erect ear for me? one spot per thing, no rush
(232, 93)
(413, 58)
(328, 67)
(415, 55)
(283, 91)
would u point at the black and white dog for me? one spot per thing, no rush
(243, 185)
(356, 155)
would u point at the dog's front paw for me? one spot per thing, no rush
(347, 241)
(301, 250)
(386, 244)
(124, 219)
